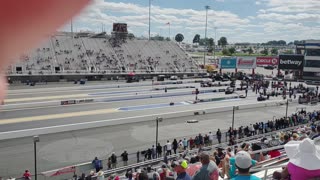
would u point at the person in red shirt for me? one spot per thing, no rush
(191, 143)
(27, 175)
(272, 143)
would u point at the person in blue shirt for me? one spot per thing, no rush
(243, 163)
(180, 168)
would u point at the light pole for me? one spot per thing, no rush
(287, 104)
(233, 109)
(158, 119)
(214, 44)
(35, 140)
(205, 35)
(149, 17)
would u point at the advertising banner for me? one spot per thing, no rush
(246, 62)
(228, 63)
(291, 62)
(58, 172)
(267, 61)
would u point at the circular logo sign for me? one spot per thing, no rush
(274, 61)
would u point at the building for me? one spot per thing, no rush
(311, 50)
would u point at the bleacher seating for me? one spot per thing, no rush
(62, 54)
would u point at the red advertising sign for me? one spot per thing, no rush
(57, 172)
(267, 60)
(246, 63)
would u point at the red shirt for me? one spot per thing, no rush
(274, 153)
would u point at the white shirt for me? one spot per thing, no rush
(169, 146)
(210, 136)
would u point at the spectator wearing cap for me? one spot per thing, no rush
(304, 159)
(209, 169)
(243, 163)
(234, 165)
(180, 168)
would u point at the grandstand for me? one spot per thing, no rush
(86, 53)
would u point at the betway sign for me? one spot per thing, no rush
(246, 63)
(267, 61)
(294, 62)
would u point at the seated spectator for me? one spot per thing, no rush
(304, 159)
(100, 175)
(89, 177)
(272, 143)
(209, 169)
(180, 168)
(233, 163)
(243, 163)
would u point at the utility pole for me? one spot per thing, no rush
(71, 28)
(287, 104)
(35, 140)
(205, 36)
(149, 17)
(214, 44)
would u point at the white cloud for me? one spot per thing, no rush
(293, 5)
(277, 19)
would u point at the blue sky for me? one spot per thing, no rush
(238, 20)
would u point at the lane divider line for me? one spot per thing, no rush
(57, 116)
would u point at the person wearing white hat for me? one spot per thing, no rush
(243, 163)
(304, 159)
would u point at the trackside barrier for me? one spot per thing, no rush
(79, 101)
(126, 120)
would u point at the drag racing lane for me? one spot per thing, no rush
(62, 115)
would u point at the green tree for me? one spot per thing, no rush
(179, 38)
(223, 41)
(168, 39)
(203, 41)
(250, 50)
(210, 42)
(225, 52)
(196, 39)
(274, 51)
(290, 51)
(232, 50)
(265, 51)
(157, 38)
